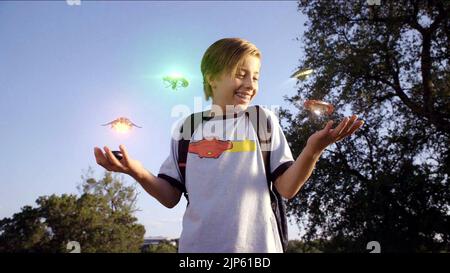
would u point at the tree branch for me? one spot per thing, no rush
(347, 166)
(434, 117)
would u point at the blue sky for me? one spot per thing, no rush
(64, 70)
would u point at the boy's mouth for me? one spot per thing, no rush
(242, 96)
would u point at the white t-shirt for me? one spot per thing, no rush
(229, 203)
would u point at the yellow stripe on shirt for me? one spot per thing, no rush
(243, 146)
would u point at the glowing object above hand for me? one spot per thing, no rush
(121, 125)
(302, 74)
(319, 107)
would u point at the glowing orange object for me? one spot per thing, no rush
(121, 125)
(319, 107)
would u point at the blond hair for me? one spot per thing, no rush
(225, 56)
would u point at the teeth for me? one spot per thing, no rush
(242, 96)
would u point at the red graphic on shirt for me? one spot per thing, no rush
(210, 148)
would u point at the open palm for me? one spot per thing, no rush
(327, 136)
(126, 165)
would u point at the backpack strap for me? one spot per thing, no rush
(188, 128)
(264, 134)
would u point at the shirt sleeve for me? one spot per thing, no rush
(280, 153)
(169, 170)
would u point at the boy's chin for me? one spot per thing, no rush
(236, 107)
(241, 106)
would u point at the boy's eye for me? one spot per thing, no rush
(241, 76)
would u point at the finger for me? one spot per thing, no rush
(103, 161)
(355, 127)
(336, 131)
(112, 159)
(124, 151)
(328, 126)
(349, 124)
(100, 157)
(347, 127)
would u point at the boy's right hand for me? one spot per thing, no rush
(126, 165)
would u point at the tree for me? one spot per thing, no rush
(101, 220)
(164, 246)
(390, 182)
(296, 246)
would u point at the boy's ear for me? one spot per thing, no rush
(210, 81)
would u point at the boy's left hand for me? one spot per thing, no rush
(318, 141)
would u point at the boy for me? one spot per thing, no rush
(229, 207)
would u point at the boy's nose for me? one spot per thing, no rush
(249, 83)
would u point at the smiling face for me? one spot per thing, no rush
(239, 88)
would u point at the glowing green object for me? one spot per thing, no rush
(175, 81)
